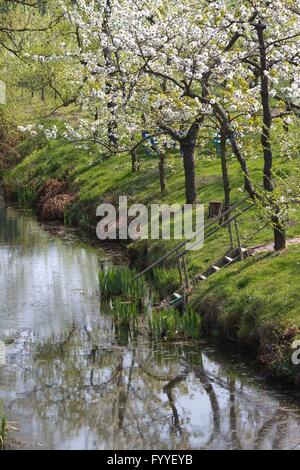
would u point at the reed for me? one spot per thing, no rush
(125, 313)
(171, 324)
(191, 323)
(121, 282)
(3, 429)
(26, 196)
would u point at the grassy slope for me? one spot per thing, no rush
(249, 298)
(95, 181)
(257, 303)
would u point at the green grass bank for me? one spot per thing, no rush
(255, 303)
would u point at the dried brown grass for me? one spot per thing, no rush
(53, 187)
(53, 199)
(54, 207)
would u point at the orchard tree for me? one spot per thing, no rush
(167, 68)
(163, 56)
(269, 46)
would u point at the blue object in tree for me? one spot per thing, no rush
(217, 143)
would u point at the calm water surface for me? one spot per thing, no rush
(71, 381)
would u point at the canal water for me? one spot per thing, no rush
(72, 381)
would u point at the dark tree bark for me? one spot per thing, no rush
(162, 173)
(187, 147)
(279, 229)
(109, 88)
(135, 165)
(267, 115)
(226, 182)
(95, 133)
(223, 119)
(225, 176)
(280, 241)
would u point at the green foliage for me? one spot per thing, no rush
(165, 281)
(125, 313)
(128, 307)
(95, 180)
(120, 281)
(171, 324)
(26, 196)
(28, 146)
(190, 323)
(253, 300)
(3, 429)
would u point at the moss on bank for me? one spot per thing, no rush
(257, 304)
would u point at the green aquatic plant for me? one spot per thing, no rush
(128, 305)
(3, 429)
(26, 196)
(190, 323)
(121, 282)
(169, 323)
(125, 313)
(164, 323)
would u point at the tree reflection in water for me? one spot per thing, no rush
(73, 380)
(82, 391)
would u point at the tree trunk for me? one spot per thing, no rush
(279, 229)
(109, 87)
(279, 238)
(279, 233)
(162, 176)
(226, 183)
(188, 152)
(225, 176)
(95, 133)
(267, 115)
(135, 165)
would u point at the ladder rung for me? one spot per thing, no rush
(201, 277)
(229, 259)
(216, 268)
(177, 296)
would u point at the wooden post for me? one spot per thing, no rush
(230, 236)
(186, 274)
(215, 209)
(180, 272)
(238, 239)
